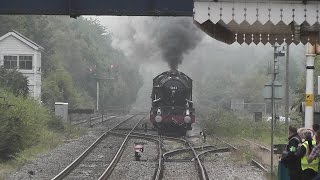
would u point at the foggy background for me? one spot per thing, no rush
(219, 71)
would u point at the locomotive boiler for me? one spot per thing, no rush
(172, 106)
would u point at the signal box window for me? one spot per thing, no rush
(10, 62)
(25, 62)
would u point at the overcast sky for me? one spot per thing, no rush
(140, 39)
(132, 34)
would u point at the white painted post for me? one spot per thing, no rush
(98, 95)
(309, 99)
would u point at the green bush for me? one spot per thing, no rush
(11, 139)
(21, 125)
(55, 124)
(226, 123)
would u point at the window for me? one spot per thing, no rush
(25, 62)
(10, 62)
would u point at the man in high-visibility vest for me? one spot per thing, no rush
(289, 158)
(309, 170)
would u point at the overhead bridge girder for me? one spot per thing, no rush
(99, 7)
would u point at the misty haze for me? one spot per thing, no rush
(101, 83)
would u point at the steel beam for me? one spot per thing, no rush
(99, 7)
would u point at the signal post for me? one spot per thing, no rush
(311, 51)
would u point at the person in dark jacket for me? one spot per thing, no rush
(289, 158)
(309, 170)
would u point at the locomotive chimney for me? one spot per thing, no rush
(174, 71)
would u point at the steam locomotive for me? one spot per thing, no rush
(172, 107)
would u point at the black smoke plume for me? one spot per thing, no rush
(175, 37)
(148, 39)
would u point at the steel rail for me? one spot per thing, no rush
(203, 173)
(80, 158)
(94, 119)
(219, 150)
(116, 158)
(158, 174)
(158, 171)
(176, 139)
(134, 136)
(260, 146)
(186, 149)
(85, 120)
(253, 161)
(260, 166)
(166, 137)
(144, 136)
(230, 145)
(100, 122)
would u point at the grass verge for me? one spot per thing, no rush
(48, 141)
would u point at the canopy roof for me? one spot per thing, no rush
(259, 21)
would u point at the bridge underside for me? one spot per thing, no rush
(229, 21)
(256, 22)
(76, 8)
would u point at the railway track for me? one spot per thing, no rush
(162, 163)
(164, 157)
(202, 172)
(118, 155)
(261, 153)
(189, 166)
(96, 119)
(76, 163)
(254, 158)
(157, 174)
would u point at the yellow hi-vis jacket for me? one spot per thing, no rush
(304, 162)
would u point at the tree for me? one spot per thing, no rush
(71, 46)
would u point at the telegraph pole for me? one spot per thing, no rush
(273, 78)
(273, 92)
(287, 87)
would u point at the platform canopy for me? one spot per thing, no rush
(259, 21)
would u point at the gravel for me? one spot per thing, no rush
(129, 169)
(222, 168)
(180, 170)
(98, 160)
(46, 166)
